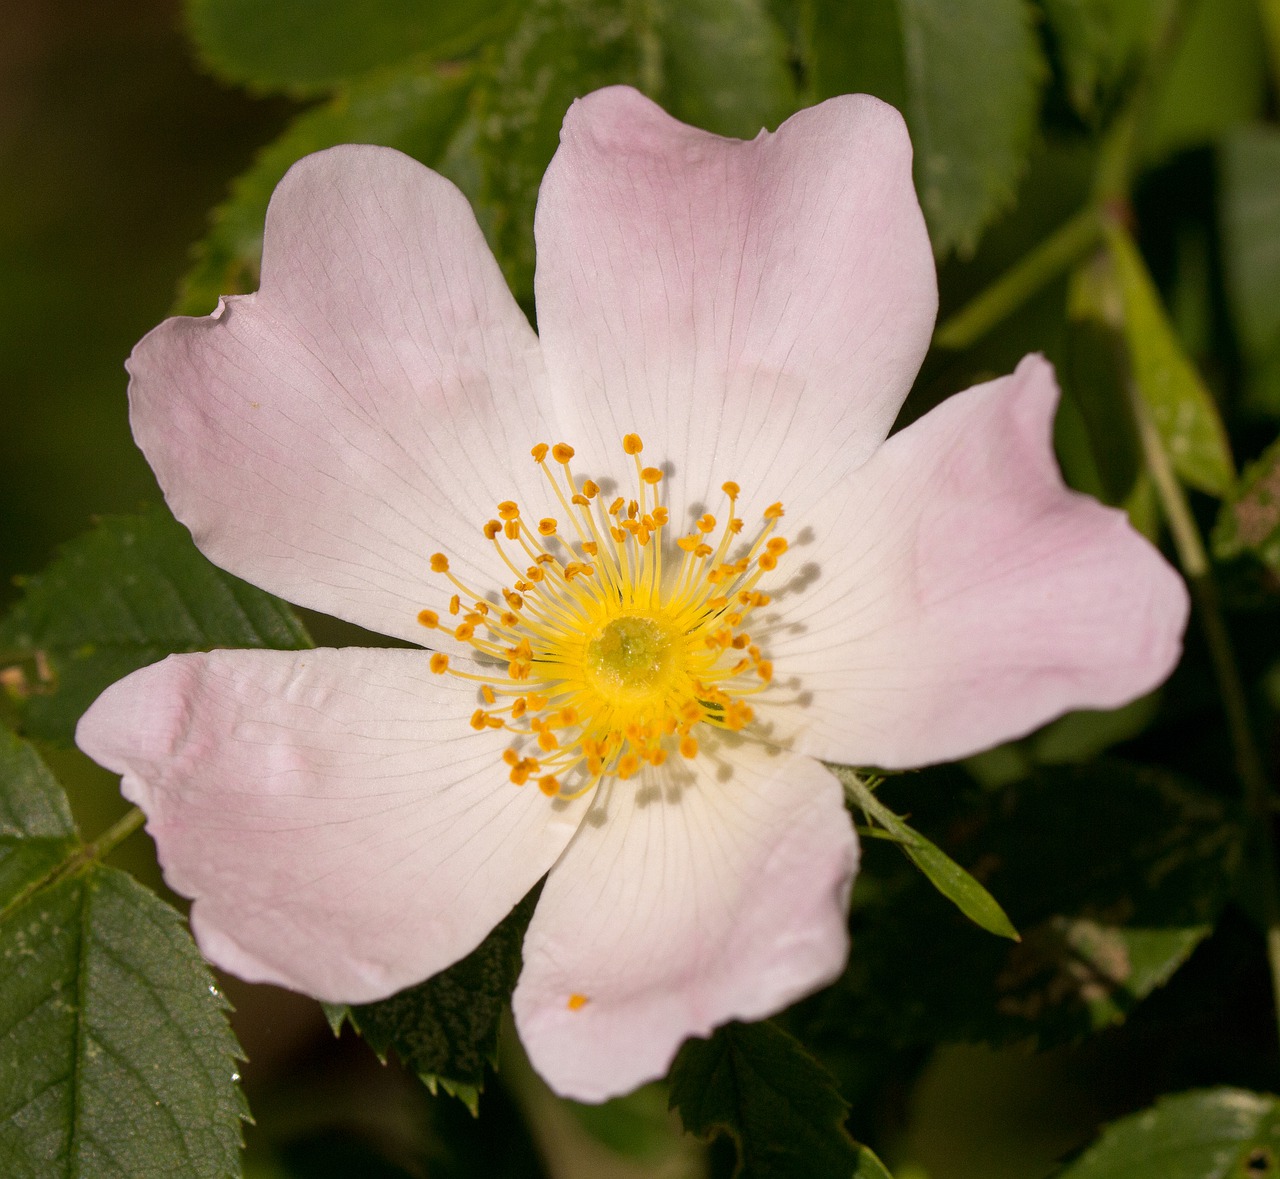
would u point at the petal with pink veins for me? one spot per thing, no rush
(370, 405)
(748, 308)
(340, 827)
(702, 892)
(962, 595)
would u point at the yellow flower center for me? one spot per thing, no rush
(610, 647)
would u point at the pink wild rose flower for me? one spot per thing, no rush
(662, 553)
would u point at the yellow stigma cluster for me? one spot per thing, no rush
(613, 642)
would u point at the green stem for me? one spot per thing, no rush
(1052, 257)
(81, 858)
(1250, 766)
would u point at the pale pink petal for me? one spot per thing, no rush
(367, 407)
(341, 828)
(679, 905)
(960, 595)
(748, 308)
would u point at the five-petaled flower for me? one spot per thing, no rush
(663, 556)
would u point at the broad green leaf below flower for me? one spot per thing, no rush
(130, 592)
(971, 113)
(757, 1084)
(1205, 1134)
(302, 46)
(118, 1060)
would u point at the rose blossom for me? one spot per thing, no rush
(663, 554)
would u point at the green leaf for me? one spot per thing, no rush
(961, 889)
(971, 112)
(118, 1059)
(413, 107)
(757, 1084)
(302, 46)
(1183, 409)
(1250, 204)
(1112, 872)
(1250, 520)
(446, 1029)
(36, 831)
(130, 592)
(1215, 80)
(1204, 1134)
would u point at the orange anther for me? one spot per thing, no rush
(562, 452)
(731, 489)
(439, 663)
(508, 509)
(689, 747)
(492, 528)
(651, 475)
(439, 563)
(589, 489)
(539, 452)
(428, 618)
(550, 786)
(631, 443)
(773, 512)
(547, 526)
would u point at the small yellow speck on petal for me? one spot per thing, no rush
(576, 1002)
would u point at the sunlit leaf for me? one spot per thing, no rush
(130, 592)
(965, 73)
(118, 1061)
(1250, 520)
(1206, 1134)
(757, 1084)
(1182, 408)
(302, 46)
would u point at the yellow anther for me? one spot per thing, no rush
(534, 574)
(547, 741)
(544, 558)
(689, 747)
(618, 535)
(482, 608)
(507, 618)
(508, 509)
(455, 604)
(628, 765)
(539, 452)
(590, 489)
(550, 786)
(511, 757)
(479, 719)
(428, 618)
(492, 528)
(616, 506)
(590, 548)
(707, 524)
(767, 561)
(494, 722)
(764, 669)
(731, 489)
(703, 550)
(568, 716)
(660, 516)
(777, 545)
(487, 694)
(547, 526)
(562, 452)
(463, 631)
(519, 708)
(439, 563)
(773, 512)
(651, 475)
(735, 525)
(631, 443)
(687, 543)
(511, 529)
(576, 1002)
(439, 663)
